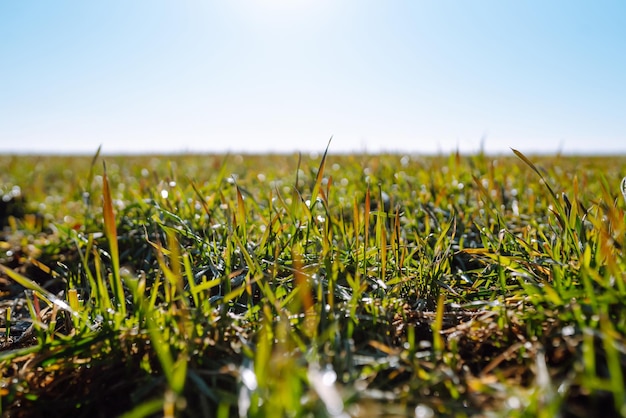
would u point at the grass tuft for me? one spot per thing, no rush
(317, 285)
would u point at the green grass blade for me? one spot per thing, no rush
(320, 175)
(42, 293)
(110, 230)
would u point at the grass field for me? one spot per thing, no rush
(312, 286)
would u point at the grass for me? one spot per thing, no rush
(313, 286)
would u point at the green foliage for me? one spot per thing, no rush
(352, 285)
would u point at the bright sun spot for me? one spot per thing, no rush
(282, 11)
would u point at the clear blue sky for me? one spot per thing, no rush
(282, 75)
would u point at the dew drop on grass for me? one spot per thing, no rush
(164, 194)
(329, 377)
(424, 411)
(514, 402)
(248, 378)
(515, 207)
(568, 331)
(424, 344)
(323, 383)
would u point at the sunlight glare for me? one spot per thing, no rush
(282, 11)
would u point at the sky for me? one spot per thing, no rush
(138, 76)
